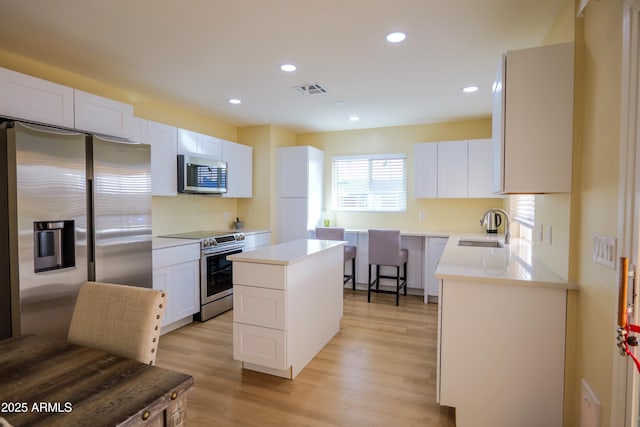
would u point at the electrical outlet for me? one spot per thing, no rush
(421, 216)
(227, 215)
(604, 250)
(590, 407)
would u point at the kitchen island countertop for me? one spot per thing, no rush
(285, 253)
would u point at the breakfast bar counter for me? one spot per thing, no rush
(287, 304)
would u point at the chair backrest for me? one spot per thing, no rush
(329, 233)
(384, 247)
(122, 320)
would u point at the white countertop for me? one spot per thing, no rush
(285, 253)
(496, 265)
(169, 242)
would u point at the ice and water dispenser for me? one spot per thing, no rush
(54, 245)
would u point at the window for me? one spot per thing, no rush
(370, 183)
(523, 212)
(523, 209)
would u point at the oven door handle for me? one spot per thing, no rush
(221, 250)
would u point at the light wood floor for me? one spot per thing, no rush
(379, 370)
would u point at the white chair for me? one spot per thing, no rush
(384, 249)
(119, 319)
(336, 233)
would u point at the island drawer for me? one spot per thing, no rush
(261, 346)
(259, 306)
(261, 275)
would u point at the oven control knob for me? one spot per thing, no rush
(213, 242)
(204, 243)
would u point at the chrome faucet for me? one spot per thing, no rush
(507, 226)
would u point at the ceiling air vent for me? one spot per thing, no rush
(311, 89)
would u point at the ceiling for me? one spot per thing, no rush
(201, 53)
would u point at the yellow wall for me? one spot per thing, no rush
(595, 195)
(461, 215)
(260, 211)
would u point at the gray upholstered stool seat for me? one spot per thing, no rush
(337, 233)
(384, 249)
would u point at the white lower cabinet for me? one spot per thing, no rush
(264, 344)
(501, 353)
(434, 248)
(176, 271)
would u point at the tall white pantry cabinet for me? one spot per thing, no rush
(299, 204)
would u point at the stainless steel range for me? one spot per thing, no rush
(216, 278)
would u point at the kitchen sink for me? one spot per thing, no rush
(480, 243)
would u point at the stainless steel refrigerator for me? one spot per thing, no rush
(78, 207)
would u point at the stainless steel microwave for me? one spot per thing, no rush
(201, 175)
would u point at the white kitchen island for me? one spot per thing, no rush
(501, 336)
(287, 304)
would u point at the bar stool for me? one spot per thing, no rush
(384, 249)
(335, 233)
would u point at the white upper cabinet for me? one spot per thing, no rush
(239, 160)
(190, 142)
(453, 169)
(29, 98)
(164, 155)
(139, 129)
(480, 171)
(425, 170)
(101, 115)
(533, 120)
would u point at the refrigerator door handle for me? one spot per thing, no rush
(91, 237)
(47, 129)
(115, 139)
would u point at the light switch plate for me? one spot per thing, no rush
(604, 250)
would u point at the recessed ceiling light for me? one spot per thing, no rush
(396, 37)
(354, 118)
(288, 67)
(470, 89)
(235, 101)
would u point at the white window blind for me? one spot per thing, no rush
(523, 209)
(370, 183)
